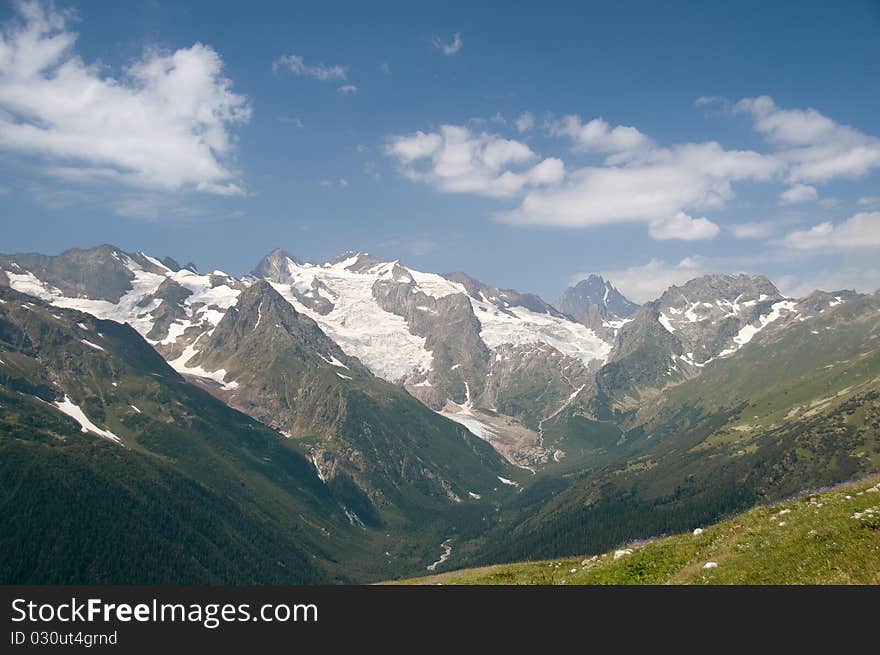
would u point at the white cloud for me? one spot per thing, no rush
(753, 230)
(450, 48)
(339, 183)
(296, 65)
(798, 193)
(869, 201)
(347, 89)
(684, 227)
(649, 281)
(598, 136)
(458, 160)
(855, 233)
(654, 187)
(525, 122)
(639, 181)
(814, 147)
(165, 123)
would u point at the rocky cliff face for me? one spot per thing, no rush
(595, 292)
(371, 441)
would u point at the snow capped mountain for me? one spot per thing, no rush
(349, 298)
(449, 339)
(172, 309)
(499, 361)
(708, 319)
(715, 315)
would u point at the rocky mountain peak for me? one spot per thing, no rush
(722, 287)
(595, 291)
(501, 298)
(275, 266)
(363, 261)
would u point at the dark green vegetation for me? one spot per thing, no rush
(793, 409)
(831, 537)
(378, 447)
(199, 492)
(310, 469)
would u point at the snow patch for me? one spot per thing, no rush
(318, 470)
(72, 410)
(747, 332)
(332, 360)
(92, 345)
(665, 322)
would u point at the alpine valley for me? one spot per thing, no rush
(357, 420)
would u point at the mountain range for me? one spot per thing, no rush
(337, 421)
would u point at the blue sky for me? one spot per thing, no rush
(525, 145)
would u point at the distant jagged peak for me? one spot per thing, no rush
(355, 261)
(595, 291)
(818, 300)
(276, 266)
(501, 298)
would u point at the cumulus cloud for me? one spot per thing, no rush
(814, 147)
(654, 187)
(684, 227)
(165, 123)
(450, 48)
(639, 181)
(455, 159)
(798, 193)
(858, 232)
(525, 122)
(296, 65)
(657, 186)
(598, 136)
(649, 281)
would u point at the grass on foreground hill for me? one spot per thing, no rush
(832, 537)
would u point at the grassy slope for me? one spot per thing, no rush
(792, 410)
(818, 540)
